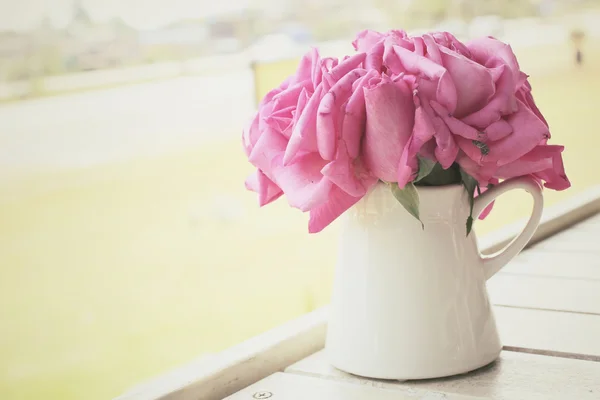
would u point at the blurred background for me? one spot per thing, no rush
(128, 243)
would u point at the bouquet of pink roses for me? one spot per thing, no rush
(404, 110)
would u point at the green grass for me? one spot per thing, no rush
(110, 275)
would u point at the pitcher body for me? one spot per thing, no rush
(409, 300)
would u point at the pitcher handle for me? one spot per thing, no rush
(493, 263)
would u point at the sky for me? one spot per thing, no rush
(142, 14)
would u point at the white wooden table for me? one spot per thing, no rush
(547, 306)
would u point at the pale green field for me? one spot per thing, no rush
(110, 275)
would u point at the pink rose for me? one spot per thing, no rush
(447, 83)
(512, 129)
(472, 106)
(330, 131)
(305, 139)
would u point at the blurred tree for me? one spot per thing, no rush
(80, 14)
(577, 38)
(502, 8)
(397, 13)
(517, 8)
(121, 27)
(51, 60)
(430, 12)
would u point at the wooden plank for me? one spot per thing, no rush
(577, 239)
(593, 221)
(548, 293)
(239, 366)
(559, 265)
(168, 380)
(581, 237)
(282, 386)
(549, 331)
(514, 376)
(581, 208)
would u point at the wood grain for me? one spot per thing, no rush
(282, 386)
(514, 376)
(549, 293)
(555, 332)
(558, 265)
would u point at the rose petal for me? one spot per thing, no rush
(555, 177)
(302, 101)
(428, 149)
(483, 172)
(323, 215)
(544, 162)
(446, 149)
(366, 39)
(250, 135)
(473, 151)
(486, 211)
(269, 145)
(329, 122)
(327, 65)
(421, 48)
(474, 83)
(374, 60)
(448, 40)
(433, 52)
(423, 131)
(502, 103)
(302, 182)
(486, 50)
(267, 190)
(304, 133)
(538, 159)
(399, 60)
(390, 117)
(289, 96)
(263, 114)
(498, 130)
(347, 66)
(341, 172)
(456, 126)
(353, 125)
(528, 132)
(281, 120)
(271, 93)
(524, 94)
(304, 71)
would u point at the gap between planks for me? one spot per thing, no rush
(552, 353)
(547, 309)
(529, 275)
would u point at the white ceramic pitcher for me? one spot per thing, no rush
(411, 303)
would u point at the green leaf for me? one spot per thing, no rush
(440, 176)
(425, 167)
(409, 198)
(469, 224)
(470, 184)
